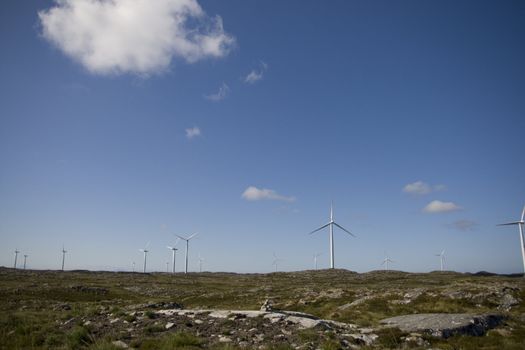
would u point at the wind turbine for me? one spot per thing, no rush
(133, 266)
(331, 225)
(385, 262)
(442, 258)
(145, 251)
(187, 239)
(174, 250)
(275, 261)
(25, 259)
(520, 224)
(16, 256)
(316, 255)
(167, 266)
(200, 262)
(64, 251)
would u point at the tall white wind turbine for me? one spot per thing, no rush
(145, 251)
(442, 258)
(25, 260)
(316, 255)
(331, 225)
(64, 251)
(174, 250)
(520, 224)
(187, 239)
(133, 266)
(16, 256)
(385, 262)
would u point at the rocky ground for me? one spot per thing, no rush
(302, 310)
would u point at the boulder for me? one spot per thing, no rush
(445, 325)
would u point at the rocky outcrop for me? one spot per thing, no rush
(445, 325)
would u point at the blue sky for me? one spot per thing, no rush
(120, 125)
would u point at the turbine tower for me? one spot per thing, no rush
(64, 251)
(145, 251)
(174, 250)
(200, 262)
(520, 224)
(385, 262)
(316, 255)
(441, 258)
(276, 260)
(25, 260)
(133, 266)
(187, 239)
(16, 256)
(331, 225)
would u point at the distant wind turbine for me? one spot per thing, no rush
(331, 225)
(174, 250)
(25, 260)
(16, 256)
(187, 239)
(442, 258)
(316, 255)
(133, 266)
(64, 251)
(167, 266)
(145, 251)
(276, 260)
(520, 224)
(200, 262)
(385, 262)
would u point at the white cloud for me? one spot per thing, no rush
(193, 132)
(133, 36)
(256, 75)
(255, 194)
(420, 187)
(224, 90)
(440, 207)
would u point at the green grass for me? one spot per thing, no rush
(37, 305)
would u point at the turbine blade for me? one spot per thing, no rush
(193, 235)
(141, 250)
(184, 239)
(147, 245)
(320, 228)
(510, 223)
(169, 247)
(344, 229)
(523, 214)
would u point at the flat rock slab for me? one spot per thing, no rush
(445, 325)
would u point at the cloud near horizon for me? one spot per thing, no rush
(220, 95)
(193, 132)
(253, 193)
(464, 225)
(139, 37)
(420, 187)
(441, 207)
(256, 75)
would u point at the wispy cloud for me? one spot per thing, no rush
(441, 207)
(224, 90)
(253, 193)
(139, 37)
(420, 187)
(193, 132)
(464, 225)
(256, 74)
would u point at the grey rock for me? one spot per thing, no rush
(120, 344)
(445, 325)
(169, 325)
(507, 302)
(267, 305)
